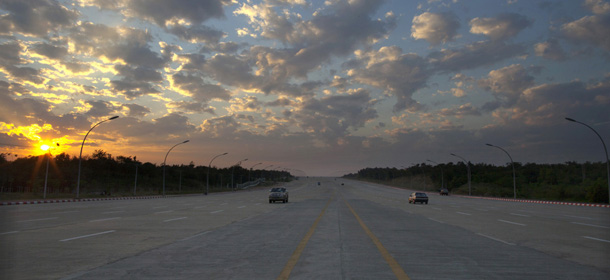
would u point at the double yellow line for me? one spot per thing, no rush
(398, 271)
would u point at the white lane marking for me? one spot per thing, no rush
(436, 220)
(582, 224)
(66, 212)
(112, 212)
(509, 222)
(217, 211)
(176, 219)
(9, 232)
(38, 220)
(191, 237)
(597, 239)
(520, 215)
(163, 212)
(88, 235)
(467, 214)
(586, 218)
(496, 239)
(243, 206)
(107, 219)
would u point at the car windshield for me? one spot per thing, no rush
(277, 190)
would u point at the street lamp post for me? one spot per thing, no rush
(80, 156)
(233, 172)
(468, 167)
(513, 164)
(186, 141)
(605, 152)
(46, 176)
(263, 174)
(207, 184)
(250, 172)
(442, 175)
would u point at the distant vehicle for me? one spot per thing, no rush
(318, 183)
(443, 191)
(418, 197)
(278, 194)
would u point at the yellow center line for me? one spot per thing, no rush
(398, 271)
(297, 253)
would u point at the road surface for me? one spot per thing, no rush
(340, 229)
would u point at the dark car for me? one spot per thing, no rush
(418, 197)
(278, 194)
(443, 191)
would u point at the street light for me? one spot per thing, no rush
(46, 176)
(186, 141)
(605, 151)
(468, 167)
(207, 184)
(263, 174)
(513, 164)
(80, 156)
(250, 172)
(442, 175)
(233, 172)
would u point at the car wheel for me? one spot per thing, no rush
(269, 201)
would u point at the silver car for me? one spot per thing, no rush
(278, 194)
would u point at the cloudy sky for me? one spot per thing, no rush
(315, 87)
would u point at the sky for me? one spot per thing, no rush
(317, 88)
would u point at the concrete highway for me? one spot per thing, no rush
(340, 229)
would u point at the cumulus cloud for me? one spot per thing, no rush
(473, 55)
(507, 84)
(136, 110)
(502, 27)
(10, 57)
(35, 18)
(399, 74)
(598, 7)
(461, 111)
(315, 41)
(163, 12)
(436, 28)
(197, 34)
(550, 49)
(589, 29)
(332, 116)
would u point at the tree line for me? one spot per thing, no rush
(570, 181)
(103, 174)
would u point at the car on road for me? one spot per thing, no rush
(418, 197)
(278, 194)
(443, 191)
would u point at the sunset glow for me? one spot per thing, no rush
(318, 86)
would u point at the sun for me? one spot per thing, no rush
(45, 147)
